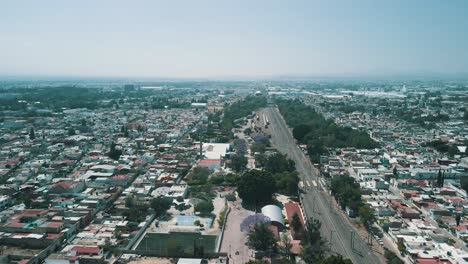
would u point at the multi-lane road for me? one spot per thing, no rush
(317, 203)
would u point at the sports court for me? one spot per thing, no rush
(177, 243)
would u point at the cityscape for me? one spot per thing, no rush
(263, 132)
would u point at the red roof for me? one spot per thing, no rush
(86, 250)
(432, 261)
(291, 209)
(208, 162)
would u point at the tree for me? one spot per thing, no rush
(114, 152)
(313, 245)
(296, 223)
(160, 205)
(238, 162)
(71, 131)
(395, 173)
(347, 192)
(458, 219)
(440, 179)
(261, 238)
(278, 163)
(32, 135)
(285, 245)
(200, 175)
(336, 260)
(392, 258)
(129, 201)
(366, 214)
(287, 182)
(204, 207)
(256, 188)
(464, 183)
(251, 221)
(257, 261)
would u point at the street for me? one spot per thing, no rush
(336, 229)
(234, 241)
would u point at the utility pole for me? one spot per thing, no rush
(313, 204)
(331, 238)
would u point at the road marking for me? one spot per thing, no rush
(314, 183)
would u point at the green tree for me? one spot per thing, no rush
(458, 219)
(392, 258)
(285, 245)
(366, 214)
(71, 131)
(296, 223)
(257, 261)
(395, 173)
(238, 162)
(277, 163)
(261, 238)
(114, 152)
(256, 188)
(160, 205)
(347, 192)
(336, 260)
(287, 182)
(32, 134)
(129, 201)
(313, 245)
(440, 179)
(464, 183)
(204, 207)
(200, 175)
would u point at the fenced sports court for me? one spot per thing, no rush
(178, 244)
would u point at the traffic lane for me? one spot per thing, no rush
(327, 230)
(295, 153)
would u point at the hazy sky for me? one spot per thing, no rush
(232, 38)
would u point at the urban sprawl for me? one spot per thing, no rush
(234, 172)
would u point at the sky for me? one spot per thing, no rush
(216, 39)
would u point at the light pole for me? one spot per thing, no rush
(331, 238)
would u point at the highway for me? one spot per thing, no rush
(317, 203)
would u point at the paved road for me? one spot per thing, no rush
(316, 202)
(234, 240)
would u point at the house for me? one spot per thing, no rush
(213, 151)
(67, 187)
(211, 164)
(369, 174)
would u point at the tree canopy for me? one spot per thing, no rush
(256, 188)
(313, 245)
(319, 133)
(240, 109)
(464, 183)
(346, 190)
(204, 207)
(160, 205)
(261, 238)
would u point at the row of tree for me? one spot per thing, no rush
(348, 194)
(241, 109)
(319, 133)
